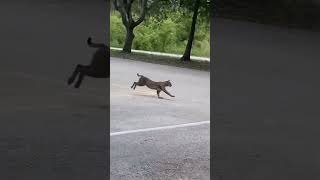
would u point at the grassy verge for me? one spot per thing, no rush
(171, 61)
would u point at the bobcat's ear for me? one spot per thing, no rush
(168, 80)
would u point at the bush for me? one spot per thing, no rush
(117, 31)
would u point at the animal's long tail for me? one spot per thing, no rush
(95, 45)
(138, 75)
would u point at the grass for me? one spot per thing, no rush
(171, 61)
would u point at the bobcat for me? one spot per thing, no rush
(98, 68)
(159, 86)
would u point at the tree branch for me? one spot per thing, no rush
(119, 6)
(128, 11)
(143, 4)
(115, 4)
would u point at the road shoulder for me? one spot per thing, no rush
(171, 61)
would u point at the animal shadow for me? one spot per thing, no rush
(98, 68)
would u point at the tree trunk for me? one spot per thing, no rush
(129, 40)
(124, 8)
(187, 52)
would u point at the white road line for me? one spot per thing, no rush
(159, 128)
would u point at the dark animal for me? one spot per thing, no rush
(98, 68)
(159, 86)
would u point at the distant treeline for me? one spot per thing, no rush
(290, 13)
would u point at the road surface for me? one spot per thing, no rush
(147, 140)
(50, 130)
(266, 102)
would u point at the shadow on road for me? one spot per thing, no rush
(153, 96)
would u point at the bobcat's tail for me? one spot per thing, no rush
(138, 75)
(95, 45)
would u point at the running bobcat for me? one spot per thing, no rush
(98, 68)
(159, 86)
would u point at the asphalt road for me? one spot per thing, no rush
(266, 102)
(50, 130)
(168, 153)
(266, 111)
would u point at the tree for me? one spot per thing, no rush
(159, 8)
(187, 52)
(124, 7)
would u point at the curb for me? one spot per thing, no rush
(163, 54)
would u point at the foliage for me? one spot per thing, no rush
(166, 33)
(117, 31)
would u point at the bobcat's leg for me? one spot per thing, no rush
(158, 93)
(139, 83)
(74, 74)
(83, 70)
(79, 81)
(164, 90)
(134, 83)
